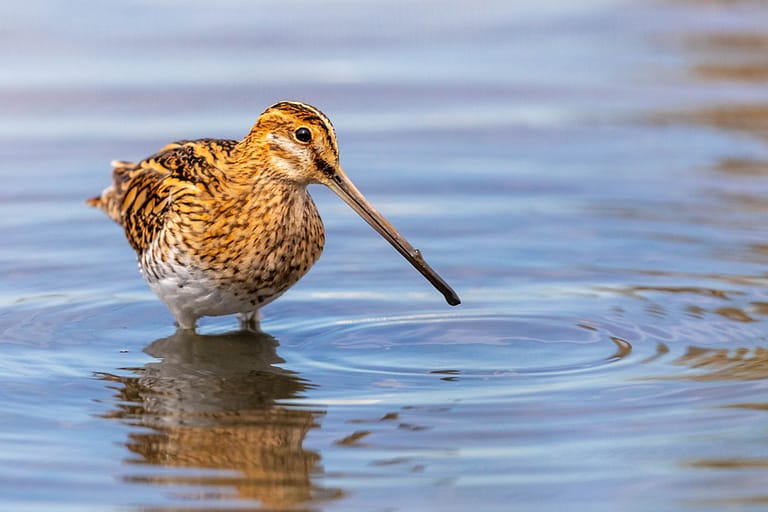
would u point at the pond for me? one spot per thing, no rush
(591, 177)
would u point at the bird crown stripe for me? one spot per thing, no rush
(311, 115)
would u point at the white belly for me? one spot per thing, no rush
(191, 294)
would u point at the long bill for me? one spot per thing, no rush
(344, 188)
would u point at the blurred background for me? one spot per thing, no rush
(589, 175)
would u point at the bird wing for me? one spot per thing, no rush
(142, 193)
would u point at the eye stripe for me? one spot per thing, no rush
(325, 167)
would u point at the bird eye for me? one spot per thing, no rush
(303, 134)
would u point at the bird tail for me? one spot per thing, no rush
(107, 201)
(94, 201)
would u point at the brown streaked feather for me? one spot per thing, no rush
(142, 193)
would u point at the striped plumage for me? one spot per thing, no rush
(223, 226)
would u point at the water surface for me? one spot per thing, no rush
(591, 179)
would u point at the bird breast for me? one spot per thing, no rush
(247, 248)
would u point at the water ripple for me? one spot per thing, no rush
(478, 345)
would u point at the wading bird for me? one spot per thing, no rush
(225, 226)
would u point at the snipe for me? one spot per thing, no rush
(224, 226)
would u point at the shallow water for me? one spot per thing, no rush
(591, 179)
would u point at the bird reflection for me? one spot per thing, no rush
(211, 403)
(725, 364)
